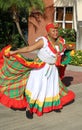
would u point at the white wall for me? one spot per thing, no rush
(63, 2)
(79, 10)
(79, 23)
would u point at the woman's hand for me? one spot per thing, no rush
(13, 52)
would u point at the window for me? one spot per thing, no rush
(64, 16)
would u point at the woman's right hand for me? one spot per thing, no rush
(13, 52)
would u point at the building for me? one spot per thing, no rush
(68, 15)
(65, 12)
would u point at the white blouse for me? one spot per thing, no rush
(45, 54)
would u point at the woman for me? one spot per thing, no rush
(44, 91)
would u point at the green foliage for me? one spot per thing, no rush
(68, 34)
(17, 41)
(5, 28)
(28, 5)
(36, 5)
(77, 58)
(8, 31)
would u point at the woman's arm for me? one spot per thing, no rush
(35, 46)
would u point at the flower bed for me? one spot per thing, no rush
(77, 58)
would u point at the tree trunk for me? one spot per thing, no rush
(16, 20)
(20, 31)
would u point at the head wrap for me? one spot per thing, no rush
(51, 25)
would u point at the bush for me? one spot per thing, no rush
(76, 59)
(68, 34)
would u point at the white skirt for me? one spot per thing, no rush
(42, 89)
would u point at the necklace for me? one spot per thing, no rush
(52, 41)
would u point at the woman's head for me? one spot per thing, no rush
(52, 30)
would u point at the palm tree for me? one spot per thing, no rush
(15, 7)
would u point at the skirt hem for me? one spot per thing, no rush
(64, 101)
(12, 103)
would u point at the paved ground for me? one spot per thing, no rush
(73, 75)
(70, 117)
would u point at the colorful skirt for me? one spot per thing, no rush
(14, 73)
(45, 93)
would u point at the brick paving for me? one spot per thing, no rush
(72, 77)
(70, 118)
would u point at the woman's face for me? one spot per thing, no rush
(53, 33)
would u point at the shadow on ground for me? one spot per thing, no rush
(67, 80)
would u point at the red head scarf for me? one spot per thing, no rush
(51, 25)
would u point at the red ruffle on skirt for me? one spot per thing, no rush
(46, 110)
(19, 104)
(12, 103)
(64, 101)
(68, 98)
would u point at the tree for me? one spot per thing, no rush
(15, 7)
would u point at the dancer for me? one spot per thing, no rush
(35, 83)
